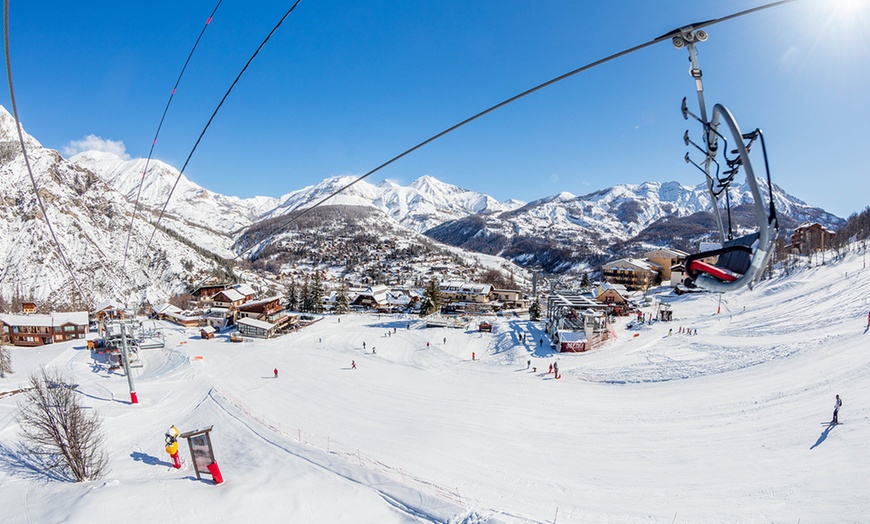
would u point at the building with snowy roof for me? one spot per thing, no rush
(38, 330)
(252, 327)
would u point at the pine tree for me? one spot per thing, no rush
(317, 293)
(584, 282)
(305, 298)
(292, 296)
(342, 302)
(431, 299)
(535, 310)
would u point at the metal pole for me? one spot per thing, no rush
(126, 361)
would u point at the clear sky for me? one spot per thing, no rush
(344, 86)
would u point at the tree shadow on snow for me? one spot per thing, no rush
(537, 342)
(823, 436)
(145, 458)
(18, 461)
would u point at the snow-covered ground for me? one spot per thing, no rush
(728, 425)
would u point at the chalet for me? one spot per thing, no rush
(229, 298)
(206, 291)
(207, 332)
(614, 295)
(509, 299)
(178, 316)
(633, 273)
(458, 291)
(268, 310)
(485, 327)
(28, 308)
(107, 310)
(809, 238)
(38, 330)
(219, 318)
(159, 312)
(666, 258)
(252, 327)
(372, 297)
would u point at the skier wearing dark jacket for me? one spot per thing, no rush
(837, 404)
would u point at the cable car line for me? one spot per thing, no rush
(157, 133)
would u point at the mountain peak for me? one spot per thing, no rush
(8, 133)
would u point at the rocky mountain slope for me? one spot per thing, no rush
(91, 222)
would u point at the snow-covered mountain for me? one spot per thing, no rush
(189, 200)
(424, 204)
(560, 230)
(91, 221)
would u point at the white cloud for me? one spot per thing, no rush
(96, 143)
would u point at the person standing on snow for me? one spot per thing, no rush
(353, 364)
(837, 404)
(275, 371)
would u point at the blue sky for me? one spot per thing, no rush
(344, 86)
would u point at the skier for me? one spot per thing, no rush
(275, 371)
(472, 355)
(868, 319)
(353, 364)
(445, 340)
(364, 345)
(528, 364)
(556, 369)
(551, 368)
(837, 404)
(540, 342)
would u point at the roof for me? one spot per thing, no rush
(232, 295)
(207, 329)
(107, 304)
(245, 289)
(675, 253)
(572, 336)
(258, 305)
(629, 264)
(256, 323)
(78, 318)
(457, 286)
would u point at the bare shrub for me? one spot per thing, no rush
(59, 431)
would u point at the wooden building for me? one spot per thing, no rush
(207, 332)
(252, 327)
(810, 238)
(38, 330)
(633, 273)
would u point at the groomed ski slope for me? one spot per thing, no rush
(722, 426)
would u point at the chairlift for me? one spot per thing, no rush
(740, 261)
